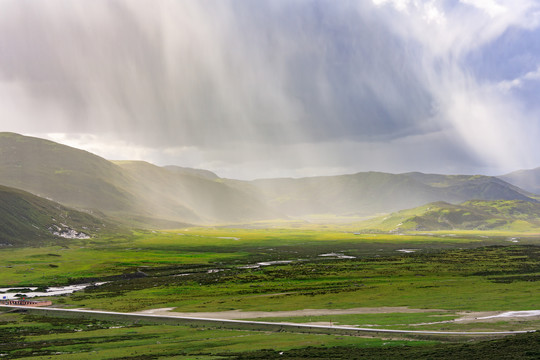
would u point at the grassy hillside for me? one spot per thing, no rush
(193, 172)
(374, 192)
(457, 188)
(526, 179)
(177, 193)
(135, 192)
(26, 219)
(514, 215)
(140, 193)
(66, 175)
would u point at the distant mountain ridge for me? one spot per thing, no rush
(374, 192)
(191, 171)
(526, 179)
(192, 195)
(127, 189)
(172, 196)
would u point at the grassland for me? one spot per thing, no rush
(456, 280)
(203, 269)
(514, 348)
(76, 260)
(24, 336)
(34, 337)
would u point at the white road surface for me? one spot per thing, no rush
(284, 326)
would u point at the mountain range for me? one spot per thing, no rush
(141, 193)
(369, 193)
(134, 190)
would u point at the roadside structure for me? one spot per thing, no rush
(25, 302)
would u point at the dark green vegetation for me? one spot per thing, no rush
(142, 194)
(511, 348)
(26, 219)
(508, 215)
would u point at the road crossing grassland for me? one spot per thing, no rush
(486, 274)
(483, 279)
(247, 325)
(476, 278)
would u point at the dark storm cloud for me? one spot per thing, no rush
(350, 74)
(276, 72)
(343, 85)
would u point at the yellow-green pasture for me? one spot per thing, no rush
(95, 258)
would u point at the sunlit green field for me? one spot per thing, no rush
(446, 272)
(209, 270)
(479, 279)
(95, 258)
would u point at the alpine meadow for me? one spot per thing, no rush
(272, 179)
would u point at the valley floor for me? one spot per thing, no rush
(460, 283)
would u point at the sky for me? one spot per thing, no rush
(279, 88)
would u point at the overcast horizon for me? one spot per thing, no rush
(279, 88)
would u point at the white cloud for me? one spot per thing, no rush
(491, 124)
(430, 11)
(268, 87)
(508, 85)
(111, 147)
(400, 5)
(491, 7)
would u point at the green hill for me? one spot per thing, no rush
(515, 215)
(142, 194)
(525, 179)
(463, 187)
(26, 219)
(134, 192)
(63, 174)
(205, 174)
(174, 193)
(374, 192)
